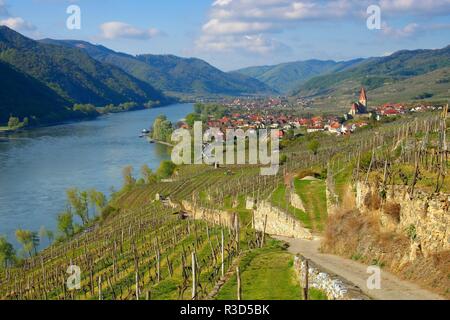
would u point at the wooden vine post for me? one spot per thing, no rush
(223, 255)
(306, 289)
(239, 289)
(264, 232)
(237, 230)
(194, 280)
(137, 285)
(100, 297)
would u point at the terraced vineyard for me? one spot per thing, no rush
(137, 254)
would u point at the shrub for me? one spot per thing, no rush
(166, 170)
(411, 232)
(13, 122)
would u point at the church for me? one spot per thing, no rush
(360, 107)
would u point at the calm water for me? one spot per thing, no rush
(37, 167)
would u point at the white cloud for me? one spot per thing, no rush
(405, 32)
(245, 43)
(231, 23)
(411, 29)
(221, 3)
(215, 26)
(120, 30)
(17, 24)
(416, 6)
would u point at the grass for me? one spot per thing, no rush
(314, 197)
(342, 180)
(316, 294)
(266, 274)
(279, 199)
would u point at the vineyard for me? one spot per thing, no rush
(150, 248)
(151, 253)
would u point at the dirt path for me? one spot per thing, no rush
(392, 288)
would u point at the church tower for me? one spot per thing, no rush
(363, 98)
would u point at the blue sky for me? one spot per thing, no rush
(236, 33)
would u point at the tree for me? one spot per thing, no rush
(13, 122)
(192, 118)
(162, 129)
(97, 200)
(313, 146)
(166, 169)
(44, 233)
(7, 253)
(29, 240)
(198, 108)
(148, 175)
(65, 223)
(79, 202)
(86, 109)
(128, 179)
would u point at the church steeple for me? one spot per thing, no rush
(363, 98)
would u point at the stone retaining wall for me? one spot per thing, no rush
(332, 285)
(279, 223)
(296, 201)
(425, 218)
(218, 217)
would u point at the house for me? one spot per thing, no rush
(315, 128)
(334, 127)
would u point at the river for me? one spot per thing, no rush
(38, 166)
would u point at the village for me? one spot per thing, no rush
(271, 113)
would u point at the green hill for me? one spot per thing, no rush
(432, 86)
(171, 74)
(23, 96)
(377, 74)
(287, 77)
(72, 73)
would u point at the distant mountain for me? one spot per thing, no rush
(287, 77)
(171, 74)
(72, 73)
(23, 96)
(376, 74)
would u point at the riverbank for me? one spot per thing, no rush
(5, 131)
(160, 142)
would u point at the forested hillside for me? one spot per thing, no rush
(23, 96)
(172, 74)
(73, 76)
